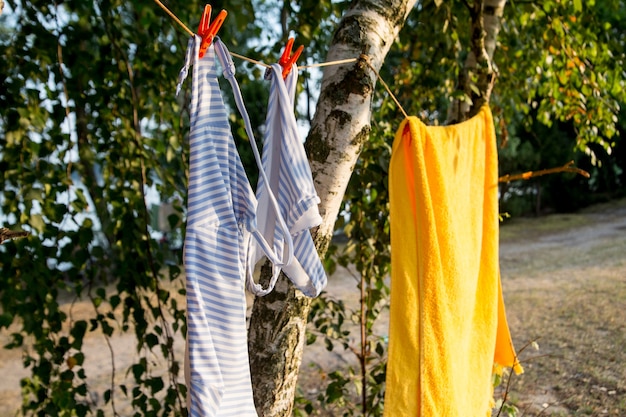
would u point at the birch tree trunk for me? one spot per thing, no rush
(479, 74)
(340, 127)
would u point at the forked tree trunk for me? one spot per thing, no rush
(340, 127)
(478, 76)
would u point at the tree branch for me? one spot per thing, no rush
(532, 174)
(6, 234)
(478, 76)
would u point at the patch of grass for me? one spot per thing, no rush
(608, 207)
(570, 297)
(528, 228)
(564, 282)
(518, 228)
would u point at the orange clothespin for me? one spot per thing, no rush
(286, 61)
(207, 29)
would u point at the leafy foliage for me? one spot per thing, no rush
(565, 61)
(90, 133)
(548, 111)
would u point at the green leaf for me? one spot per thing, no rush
(36, 222)
(578, 5)
(5, 320)
(78, 333)
(151, 340)
(138, 370)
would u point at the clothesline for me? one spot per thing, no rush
(245, 58)
(363, 57)
(176, 19)
(369, 64)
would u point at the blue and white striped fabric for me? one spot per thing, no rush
(221, 228)
(290, 179)
(287, 250)
(221, 214)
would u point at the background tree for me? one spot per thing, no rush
(461, 79)
(91, 134)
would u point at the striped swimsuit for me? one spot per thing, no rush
(220, 218)
(221, 238)
(290, 179)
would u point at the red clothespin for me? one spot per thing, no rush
(208, 30)
(286, 61)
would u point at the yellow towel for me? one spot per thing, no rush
(447, 324)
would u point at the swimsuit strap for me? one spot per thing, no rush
(283, 121)
(184, 71)
(251, 285)
(229, 73)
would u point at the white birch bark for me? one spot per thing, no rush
(479, 61)
(492, 17)
(340, 127)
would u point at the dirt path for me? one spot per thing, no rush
(564, 281)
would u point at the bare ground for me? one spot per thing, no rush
(564, 281)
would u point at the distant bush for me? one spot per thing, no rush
(535, 146)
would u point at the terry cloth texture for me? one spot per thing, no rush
(447, 320)
(220, 218)
(290, 179)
